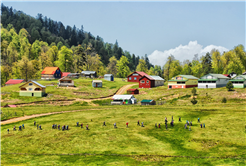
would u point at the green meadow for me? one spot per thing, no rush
(221, 142)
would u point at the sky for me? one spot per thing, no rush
(158, 29)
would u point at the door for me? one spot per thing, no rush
(206, 86)
(170, 87)
(96, 84)
(32, 94)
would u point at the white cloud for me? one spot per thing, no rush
(182, 52)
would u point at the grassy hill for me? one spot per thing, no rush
(222, 142)
(83, 89)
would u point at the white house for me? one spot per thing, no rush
(123, 99)
(158, 80)
(213, 81)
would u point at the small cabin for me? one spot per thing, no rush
(51, 73)
(32, 88)
(97, 83)
(148, 102)
(183, 81)
(89, 74)
(109, 77)
(123, 99)
(65, 81)
(14, 81)
(132, 91)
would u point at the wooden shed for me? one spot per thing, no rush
(51, 73)
(66, 81)
(97, 83)
(89, 74)
(14, 81)
(132, 91)
(148, 102)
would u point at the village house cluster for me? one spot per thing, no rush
(33, 88)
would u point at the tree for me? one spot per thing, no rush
(206, 64)
(216, 62)
(45, 60)
(53, 54)
(94, 64)
(79, 59)
(142, 66)
(224, 100)
(26, 68)
(167, 67)
(229, 86)
(112, 68)
(5, 73)
(175, 68)
(64, 59)
(193, 101)
(122, 68)
(35, 50)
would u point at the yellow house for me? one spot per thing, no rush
(183, 81)
(32, 88)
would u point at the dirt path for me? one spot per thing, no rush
(119, 92)
(38, 115)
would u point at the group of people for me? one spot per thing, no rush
(65, 127)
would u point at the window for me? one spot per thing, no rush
(130, 78)
(135, 78)
(147, 81)
(30, 84)
(213, 81)
(142, 81)
(30, 89)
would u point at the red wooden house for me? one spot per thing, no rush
(132, 91)
(135, 76)
(146, 82)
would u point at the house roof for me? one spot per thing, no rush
(132, 89)
(97, 81)
(242, 76)
(244, 73)
(108, 75)
(9, 105)
(64, 78)
(147, 76)
(49, 70)
(146, 101)
(139, 72)
(157, 78)
(14, 81)
(122, 97)
(189, 76)
(218, 75)
(226, 75)
(34, 83)
(88, 72)
(65, 74)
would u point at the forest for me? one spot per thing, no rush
(29, 44)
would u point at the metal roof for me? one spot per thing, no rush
(242, 76)
(97, 81)
(217, 75)
(88, 72)
(108, 75)
(38, 84)
(189, 76)
(146, 101)
(157, 78)
(14, 81)
(123, 97)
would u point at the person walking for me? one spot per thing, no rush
(179, 119)
(34, 123)
(8, 131)
(166, 126)
(87, 127)
(14, 129)
(77, 124)
(19, 128)
(138, 123)
(23, 126)
(104, 123)
(58, 127)
(155, 125)
(198, 120)
(115, 125)
(191, 123)
(37, 126)
(81, 125)
(201, 125)
(142, 124)
(159, 126)
(127, 124)
(40, 127)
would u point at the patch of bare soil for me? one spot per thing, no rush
(142, 93)
(241, 96)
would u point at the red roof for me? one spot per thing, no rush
(65, 74)
(139, 72)
(14, 81)
(227, 75)
(132, 89)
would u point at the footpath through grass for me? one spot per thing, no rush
(222, 142)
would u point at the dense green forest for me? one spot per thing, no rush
(28, 45)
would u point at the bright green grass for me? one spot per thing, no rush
(85, 91)
(224, 136)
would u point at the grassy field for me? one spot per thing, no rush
(222, 142)
(83, 89)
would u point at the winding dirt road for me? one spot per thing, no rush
(119, 92)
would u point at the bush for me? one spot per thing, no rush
(229, 86)
(224, 100)
(193, 101)
(193, 91)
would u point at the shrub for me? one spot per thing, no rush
(193, 101)
(193, 91)
(229, 86)
(224, 100)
